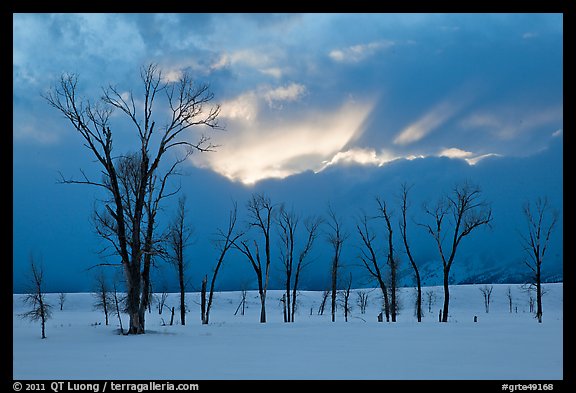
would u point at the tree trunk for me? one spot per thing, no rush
(284, 308)
(263, 307)
(538, 294)
(446, 297)
(203, 300)
(183, 293)
(386, 302)
(419, 299)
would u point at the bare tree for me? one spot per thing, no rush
(369, 258)
(346, 298)
(36, 298)
(430, 299)
(261, 210)
(362, 301)
(242, 305)
(102, 295)
(541, 219)
(403, 229)
(178, 239)
(468, 212)
(322, 305)
(226, 239)
(117, 299)
(288, 222)
(61, 300)
(509, 296)
(391, 260)
(162, 301)
(130, 216)
(487, 293)
(336, 238)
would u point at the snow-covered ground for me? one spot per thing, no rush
(501, 345)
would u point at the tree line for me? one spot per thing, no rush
(136, 185)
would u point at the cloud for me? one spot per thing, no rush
(468, 156)
(357, 53)
(287, 93)
(509, 122)
(359, 156)
(427, 123)
(529, 34)
(557, 133)
(258, 146)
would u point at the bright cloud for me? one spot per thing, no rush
(359, 156)
(468, 156)
(288, 93)
(357, 53)
(426, 124)
(257, 149)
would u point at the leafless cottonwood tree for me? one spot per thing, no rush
(509, 297)
(336, 237)
(362, 301)
(391, 259)
(322, 305)
(179, 234)
(288, 222)
(541, 219)
(36, 298)
(61, 300)
(346, 298)
(261, 211)
(430, 299)
(369, 258)
(129, 218)
(403, 230)
(226, 240)
(468, 212)
(487, 293)
(102, 295)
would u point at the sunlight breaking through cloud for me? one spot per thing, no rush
(426, 124)
(257, 148)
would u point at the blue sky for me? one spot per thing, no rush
(306, 99)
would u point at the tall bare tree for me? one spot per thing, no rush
(336, 237)
(468, 212)
(391, 259)
(261, 211)
(36, 297)
(130, 228)
(288, 222)
(179, 234)
(226, 241)
(403, 230)
(369, 258)
(541, 219)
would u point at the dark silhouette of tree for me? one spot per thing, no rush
(288, 223)
(541, 219)
(36, 298)
(61, 300)
(129, 218)
(102, 295)
(226, 240)
(467, 211)
(178, 239)
(336, 237)
(260, 210)
(369, 258)
(403, 230)
(487, 293)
